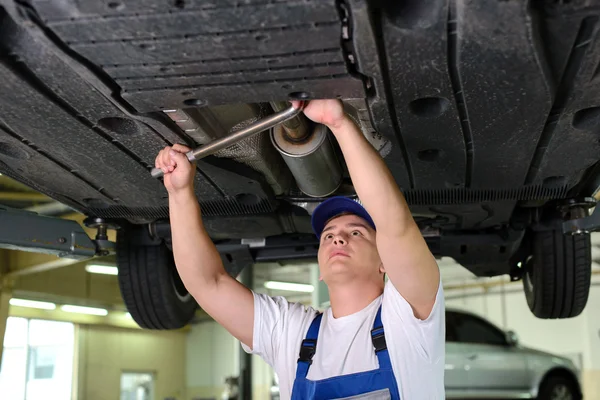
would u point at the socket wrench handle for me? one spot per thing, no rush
(252, 129)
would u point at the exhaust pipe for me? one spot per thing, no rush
(312, 160)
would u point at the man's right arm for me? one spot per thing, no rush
(198, 262)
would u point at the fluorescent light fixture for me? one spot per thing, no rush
(128, 315)
(84, 310)
(32, 304)
(288, 286)
(102, 269)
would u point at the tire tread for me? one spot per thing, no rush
(146, 287)
(561, 274)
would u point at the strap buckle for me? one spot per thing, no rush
(307, 350)
(378, 338)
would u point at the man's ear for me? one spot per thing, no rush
(381, 268)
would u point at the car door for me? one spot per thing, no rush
(455, 377)
(493, 366)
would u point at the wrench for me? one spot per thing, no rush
(252, 129)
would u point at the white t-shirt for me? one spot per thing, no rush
(344, 345)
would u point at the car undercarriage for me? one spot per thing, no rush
(485, 111)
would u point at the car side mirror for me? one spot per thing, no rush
(512, 338)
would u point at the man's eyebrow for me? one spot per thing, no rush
(330, 227)
(350, 224)
(355, 224)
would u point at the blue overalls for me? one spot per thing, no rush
(378, 384)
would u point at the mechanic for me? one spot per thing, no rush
(378, 340)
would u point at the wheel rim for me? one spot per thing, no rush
(528, 275)
(178, 285)
(529, 282)
(561, 392)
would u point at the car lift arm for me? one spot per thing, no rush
(28, 231)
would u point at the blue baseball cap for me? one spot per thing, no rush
(335, 206)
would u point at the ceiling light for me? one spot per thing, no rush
(32, 304)
(288, 286)
(102, 269)
(84, 310)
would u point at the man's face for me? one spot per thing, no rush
(348, 251)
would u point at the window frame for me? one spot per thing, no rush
(152, 374)
(453, 318)
(31, 347)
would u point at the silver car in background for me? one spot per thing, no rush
(484, 362)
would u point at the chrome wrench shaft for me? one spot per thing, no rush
(252, 129)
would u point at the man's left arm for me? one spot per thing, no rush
(405, 255)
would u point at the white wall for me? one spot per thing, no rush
(105, 352)
(212, 355)
(592, 354)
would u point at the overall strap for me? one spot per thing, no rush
(308, 347)
(378, 338)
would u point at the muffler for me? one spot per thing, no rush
(312, 160)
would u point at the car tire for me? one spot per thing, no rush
(150, 285)
(557, 275)
(558, 387)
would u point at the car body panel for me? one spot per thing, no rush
(455, 371)
(496, 367)
(541, 363)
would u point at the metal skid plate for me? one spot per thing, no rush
(27, 231)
